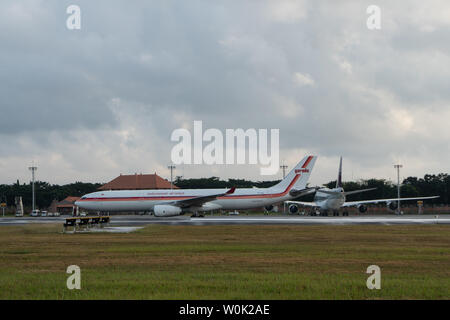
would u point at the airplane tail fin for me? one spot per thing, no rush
(339, 178)
(299, 175)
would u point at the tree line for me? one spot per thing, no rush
(45, 192)
(429, 185)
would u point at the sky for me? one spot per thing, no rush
(90, 104)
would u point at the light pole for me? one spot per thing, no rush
(171, 167)
(33, 170)
(398, 166)
(284, 167)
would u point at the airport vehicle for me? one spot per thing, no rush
(327, 199)
(43, 213)
(166, 203)
(35, 213)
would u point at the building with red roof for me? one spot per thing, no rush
(138, 182)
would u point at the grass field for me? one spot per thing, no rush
(227, 262)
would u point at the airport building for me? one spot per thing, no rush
(138, 182)
(65, 206)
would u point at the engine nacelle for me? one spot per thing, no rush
(163, 210)
(362, 208)
(269, 208)
(293, 209)
(392, 205)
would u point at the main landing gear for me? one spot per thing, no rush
(197, 215)
(336, 213)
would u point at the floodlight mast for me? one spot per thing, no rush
(398, 166)
(171, 167)
(284, 167)
(33, 169)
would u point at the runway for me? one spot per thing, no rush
(131, 220)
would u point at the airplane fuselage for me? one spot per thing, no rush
(327, 201)
(145, 200)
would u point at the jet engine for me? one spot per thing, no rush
(362, 208)
(162, 210)
(269, 208)
(293, 209)
(392, 205)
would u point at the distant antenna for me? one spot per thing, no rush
(339, 179)
(33, 169)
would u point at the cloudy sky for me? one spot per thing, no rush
(89, 104)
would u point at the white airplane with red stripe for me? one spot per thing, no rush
(166, 203)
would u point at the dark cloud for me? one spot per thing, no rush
(136, 71)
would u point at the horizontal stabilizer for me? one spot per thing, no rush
(344, 193)
(302, 192)
(358, 191)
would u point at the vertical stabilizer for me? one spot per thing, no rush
(339, 178)
(299, 175)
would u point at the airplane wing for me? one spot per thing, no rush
(303, 204)
(199, 201)
(355, 203)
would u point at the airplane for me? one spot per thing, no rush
(327, 199)
(167, 203)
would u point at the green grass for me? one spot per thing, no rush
(227, 262)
